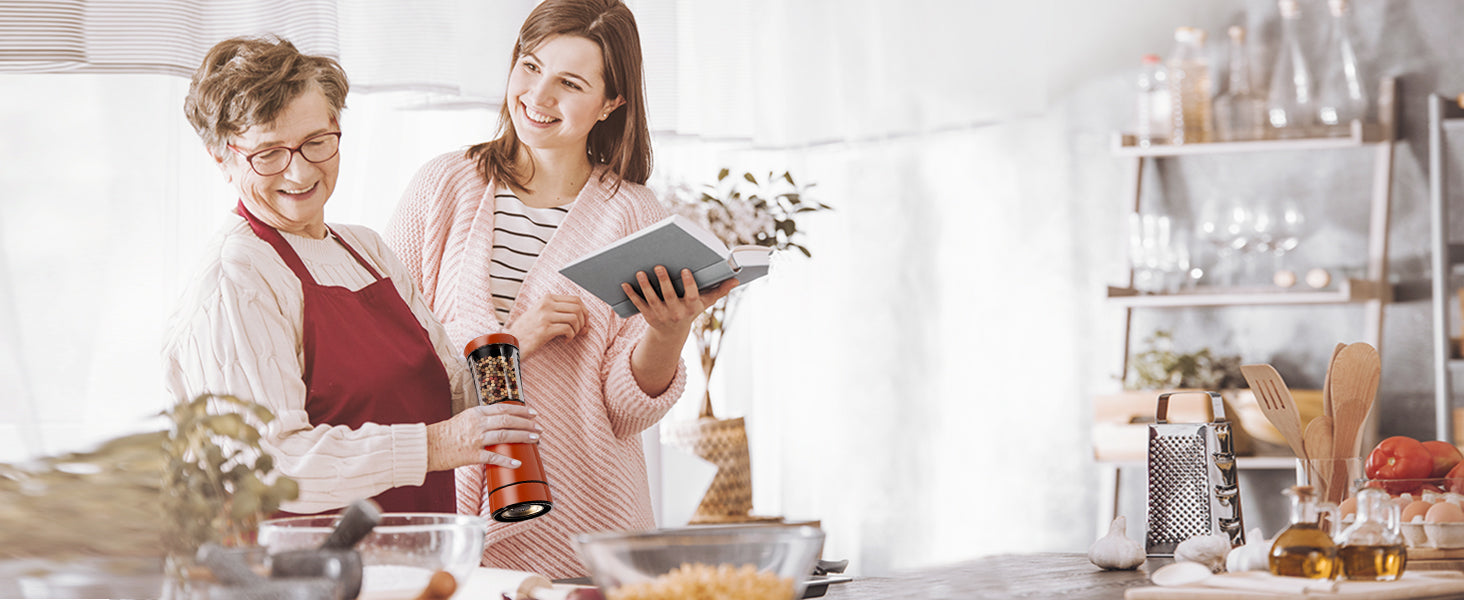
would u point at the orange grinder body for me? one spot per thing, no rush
(513, 494)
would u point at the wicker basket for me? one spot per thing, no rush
(722, 442)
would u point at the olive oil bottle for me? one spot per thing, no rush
(1373, 548)
(1372, 563)
(1304, 549)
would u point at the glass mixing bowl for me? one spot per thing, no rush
(748, 562)
(400, 554)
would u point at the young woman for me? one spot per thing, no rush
(484, 232)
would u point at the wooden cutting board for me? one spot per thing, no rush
(1413, 585)
(1436, 559)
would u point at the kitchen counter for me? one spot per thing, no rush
(1049, 575)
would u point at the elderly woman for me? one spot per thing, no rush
(318, 322)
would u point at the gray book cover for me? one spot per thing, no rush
(675, 242)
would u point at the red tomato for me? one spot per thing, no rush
(1399, 457)
(1454, 481)
(1445, 456)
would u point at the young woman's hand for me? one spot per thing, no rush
(460, 441)
(668, 314)
(553, 316)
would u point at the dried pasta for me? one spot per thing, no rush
(697, 581)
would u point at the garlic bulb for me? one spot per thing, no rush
(1253, 556)
(1208, 550)
(1115, 550)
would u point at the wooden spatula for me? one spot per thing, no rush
(1276, 403)
(1355, 384)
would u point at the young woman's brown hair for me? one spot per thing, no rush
(623, 141)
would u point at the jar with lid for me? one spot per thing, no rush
(1304, 548)
(1373, 548)
(1188, 75)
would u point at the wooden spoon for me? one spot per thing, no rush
(1318, 442)
(1327, 380)
(1318, 438)
(1358, 368)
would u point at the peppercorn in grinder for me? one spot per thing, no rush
(513, 494)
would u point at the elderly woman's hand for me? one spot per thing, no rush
(666, 313)
(460, 441)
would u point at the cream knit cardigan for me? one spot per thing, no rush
(238, 330)
(589, 404)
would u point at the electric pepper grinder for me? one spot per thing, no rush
(513, 494)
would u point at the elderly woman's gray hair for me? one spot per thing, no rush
(247, 81)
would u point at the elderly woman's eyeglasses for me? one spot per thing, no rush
(275, 159)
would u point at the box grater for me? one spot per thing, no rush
(1194, 488)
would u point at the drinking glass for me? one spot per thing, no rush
(1158, 254)
(1149, 236)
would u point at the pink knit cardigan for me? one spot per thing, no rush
(589, 404)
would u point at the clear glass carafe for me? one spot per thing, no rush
(1373, 548)
(1290, 107)
(1240, 113)
(1341, 90)
(1305, 548)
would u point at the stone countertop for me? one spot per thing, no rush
(1047, 575)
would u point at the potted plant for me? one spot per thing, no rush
(740, 210)
(1120, 420)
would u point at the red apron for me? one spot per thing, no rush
(368, 360)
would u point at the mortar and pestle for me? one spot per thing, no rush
(300, 574)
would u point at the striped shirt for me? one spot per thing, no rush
(519, 235)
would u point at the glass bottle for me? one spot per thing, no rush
(1151, 117)
(1189, 88)
(1372, 548)
(1290, 107)
(1341, 93)
(1240, 113)
(1304, 549)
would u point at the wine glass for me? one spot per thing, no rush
(1210, 227)
(1263, 224)
(1290, 225)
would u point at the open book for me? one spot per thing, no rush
(675, 242)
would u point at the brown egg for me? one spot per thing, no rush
(1444, 512)
(1417, 508)
(1348, 507)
